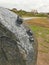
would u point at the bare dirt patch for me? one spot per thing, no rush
(43, 52)
(39, 21)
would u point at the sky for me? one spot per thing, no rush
(28, 5)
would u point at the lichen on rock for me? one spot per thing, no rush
(15, 45)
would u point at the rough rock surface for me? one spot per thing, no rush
(17, 43)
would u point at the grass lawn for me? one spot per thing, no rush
(42, 35)
(41, 30)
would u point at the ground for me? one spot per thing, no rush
(40, 26)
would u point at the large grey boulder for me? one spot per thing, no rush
(17, 43)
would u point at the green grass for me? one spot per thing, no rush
(43, 51)
(39, 31)
(44, 45)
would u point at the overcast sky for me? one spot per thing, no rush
(28, 5)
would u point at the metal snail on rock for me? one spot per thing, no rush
(17, 43)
